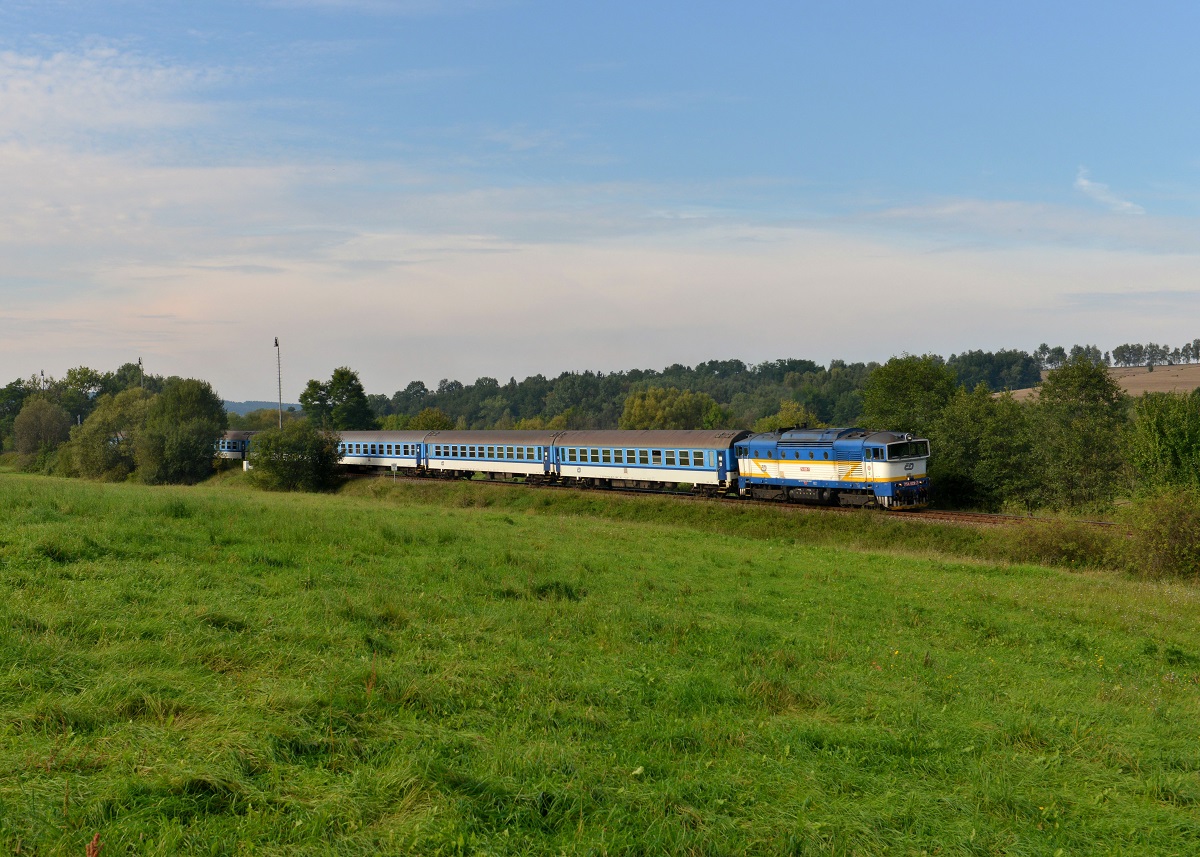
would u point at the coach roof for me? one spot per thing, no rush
(654, 439)
(499, 438)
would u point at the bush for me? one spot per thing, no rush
(298, 457)
(1166, 534)
(1066, 543)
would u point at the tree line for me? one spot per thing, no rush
(113, 425)
(1078, 443)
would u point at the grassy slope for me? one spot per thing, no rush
(212, 669)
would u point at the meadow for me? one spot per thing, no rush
(464, 669)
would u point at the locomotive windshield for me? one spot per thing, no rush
(908, 449)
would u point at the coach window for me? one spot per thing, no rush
(643, 457)
(606, 456)
(697, 458)
(571, 454)
(618, 456)
(670, 458)
(656, 456)
(520, 453)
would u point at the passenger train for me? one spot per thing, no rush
(836, 466)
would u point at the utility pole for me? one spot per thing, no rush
(141, 375)
(279, 379)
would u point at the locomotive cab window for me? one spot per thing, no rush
(908, 449)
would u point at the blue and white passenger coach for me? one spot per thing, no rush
(648, 459)
(399, 450)
(837, 466)
(234, 445)
(499, 454)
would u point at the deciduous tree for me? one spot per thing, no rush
(339, 403)
(1079, 420)
(908, 393)
(791, 414)
(431, 419)
(40, 427)
(671, 408)
(183, 425)
(103, 447)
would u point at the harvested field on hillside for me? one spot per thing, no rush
(1136, 380)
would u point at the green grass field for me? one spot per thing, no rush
(476, 669)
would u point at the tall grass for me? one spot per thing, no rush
(219, 671)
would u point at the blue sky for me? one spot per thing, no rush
(447, 188)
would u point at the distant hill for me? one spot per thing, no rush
(246, 407)
(1135, 380)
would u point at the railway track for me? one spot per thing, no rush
(985, 519)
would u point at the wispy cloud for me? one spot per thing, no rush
(97, 89)
(1006, 223)
(1102, 194)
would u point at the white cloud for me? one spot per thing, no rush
(1101, 194)
(99, 89)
